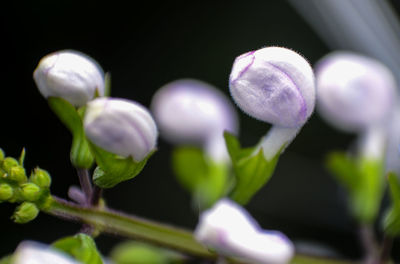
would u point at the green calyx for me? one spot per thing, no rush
(252, 170)
(113, 169)
(41, 178)
(25, 213)
(6, 192)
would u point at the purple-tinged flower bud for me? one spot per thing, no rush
(230, 230)
(274, 85)
(29, 252)
(70, 75)
(354, 91)
(191, 111)
(120, 127)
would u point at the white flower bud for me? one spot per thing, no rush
(230, 230)
(121, 127)
(191, 111)
(354, 91)
(70, 75)
(29, 252)
(275, 85)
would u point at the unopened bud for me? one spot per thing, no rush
(25, 213)
(70, 75)
(231, 231)
(121, 127)
(6, 192)
(193, 112)
(30, 191)
(275, 85)
(354, 91)
(41, 178)
(9, 163)
(17, 174)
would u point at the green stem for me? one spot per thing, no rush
(117, 223)
(113, 222)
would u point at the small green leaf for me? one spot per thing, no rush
(113, 169)
(391, 220)
(252, 170)
(205, 179)
(82, 247)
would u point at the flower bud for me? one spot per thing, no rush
(70, 75)
(30, 192)
(274, 85)
(9, 163)
(17, 174)
(41, 178)
(230, 230)
(29, 252)
(25, 213)
(6, 192)
(191, 111)
(354, 91)
(121, 127)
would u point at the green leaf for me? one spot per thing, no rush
(391, 220)
(81, 247)
(252, 170)
(205, 179)
(113, 169)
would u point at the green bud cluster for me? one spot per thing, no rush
(31, 193)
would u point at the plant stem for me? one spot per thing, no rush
(113, 222)
(369, 245)
(117, 223)
(86, 185)
(96, 195)
(386, 248)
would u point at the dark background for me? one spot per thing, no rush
(145, 46)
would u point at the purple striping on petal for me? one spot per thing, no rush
(46, 71)
(303, 110)
(247, 67)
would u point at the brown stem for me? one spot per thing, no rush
(86, 185)
(386, 248)
(96, 195)
(368, 242)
